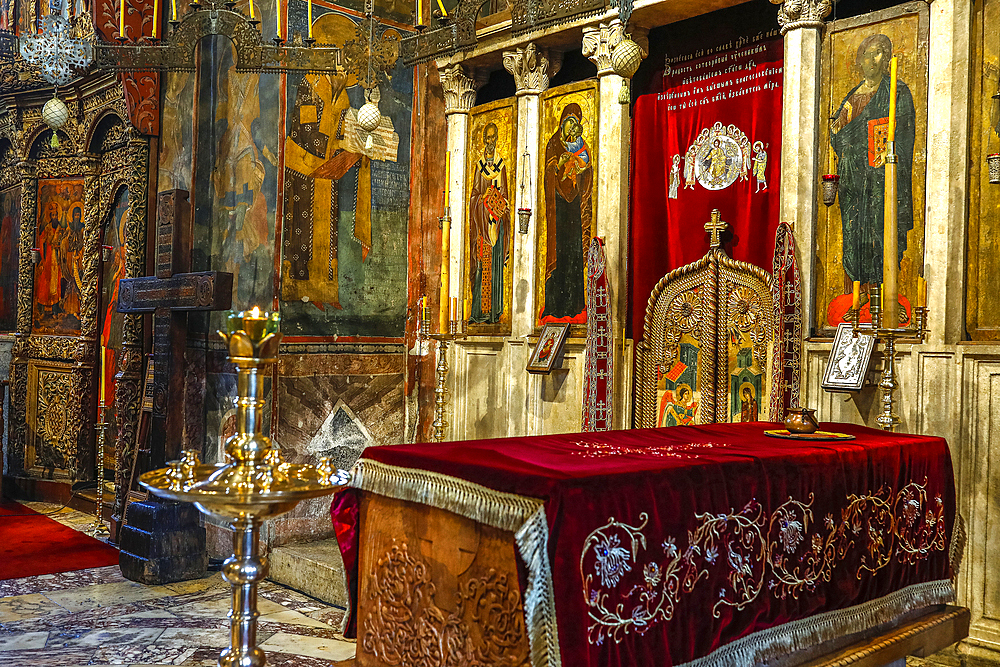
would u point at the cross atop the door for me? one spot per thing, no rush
(170, 295)
(716, 226)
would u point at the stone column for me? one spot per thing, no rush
(947, 168)
(801, 23)
(531, 68)
(459, 97)
(611, 187)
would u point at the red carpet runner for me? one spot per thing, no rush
(32, 545)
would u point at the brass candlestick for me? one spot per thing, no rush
(254, 484)
(888, 420)
(98, 529)
(455, 332)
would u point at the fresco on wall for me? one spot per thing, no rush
(853, 143)
(59, 239)
(567, 206)
(177, 141)
(491, 173)
(244, 179)
(10, 234)
(343, 269)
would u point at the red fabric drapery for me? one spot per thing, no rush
(705, 535)
(711, 139)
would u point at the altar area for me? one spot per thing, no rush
(707, 545)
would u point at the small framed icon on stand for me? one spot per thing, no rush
(850, 359)
(548, 349)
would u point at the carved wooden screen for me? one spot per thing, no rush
(708, 354)
(746, 330)
(676, 382)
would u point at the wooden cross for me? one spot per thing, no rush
(716, 226)
(170, 295)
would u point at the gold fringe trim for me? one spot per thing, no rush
(781, 640)
(521, 515)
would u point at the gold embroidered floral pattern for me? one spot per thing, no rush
(593, 450)
(788, 549)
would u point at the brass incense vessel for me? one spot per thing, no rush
(254, 484)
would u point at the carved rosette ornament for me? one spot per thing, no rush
(531, 68)
(796, 14)
(459, 90)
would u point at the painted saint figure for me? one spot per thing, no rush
(48, 283)
(675, 177)
(489, 230)
(759, 165)
(748, 406)
(858, 134)
(568, 183)
(689, 176)
(680, 412)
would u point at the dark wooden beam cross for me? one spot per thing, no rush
(170, 295)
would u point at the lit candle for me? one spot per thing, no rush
(156, 16)
(445, 292)
(892, 99)
(447, 178)
(856, 301)
(890, 236)
(121, 21)
(309, 17)
(104, 374)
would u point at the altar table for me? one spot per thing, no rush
(694, 545)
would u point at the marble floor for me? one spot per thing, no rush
(97, 617)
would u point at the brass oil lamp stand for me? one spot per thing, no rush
(254, 484)
(98, 529)
(888, 419)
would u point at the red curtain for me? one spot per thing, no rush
(711, 139)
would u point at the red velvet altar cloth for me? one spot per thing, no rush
(669, 545)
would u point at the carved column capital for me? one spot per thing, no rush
(531, 68)
(599, 41)
(459, 89)
(796, 14)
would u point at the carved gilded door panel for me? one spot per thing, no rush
(746, 326)
(54, 420)
(676, 380)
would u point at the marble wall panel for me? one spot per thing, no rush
(475, 391)
(333, 405)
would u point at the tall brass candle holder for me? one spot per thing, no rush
(456, 331)
(98, 529)
(888, 420)
(254, 484)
